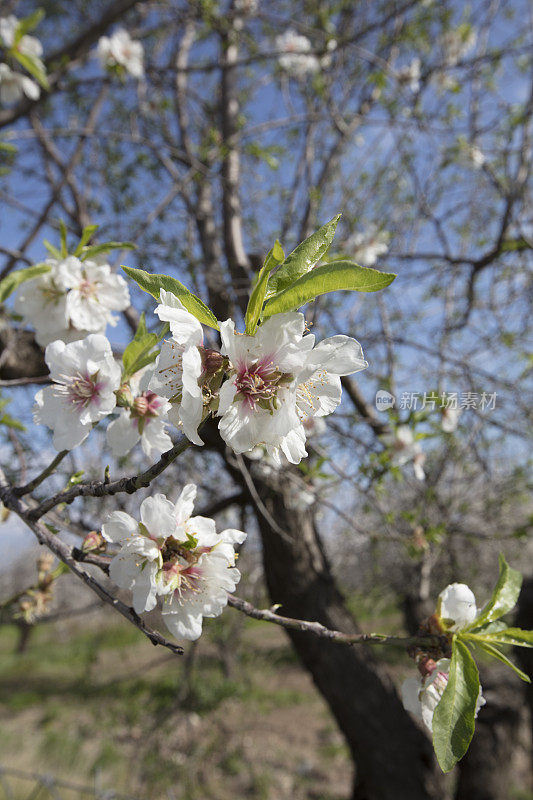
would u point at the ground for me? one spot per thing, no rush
(92, 703)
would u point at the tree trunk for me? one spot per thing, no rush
(393, 757)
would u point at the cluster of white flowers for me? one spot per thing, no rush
(120, 51)
(420, 695)
(14, 85)
(455, 44)
(71, 300)
(403, 448)
(246, 6)
(410, 75)
(175, 556)
(296, 57)
(367, 246)
(263, 387)
(450, 419)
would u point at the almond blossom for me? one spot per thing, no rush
(73, 299)
(85, 377)
(366, 247)
(410, 75)
(14, 85)
(177, 556)
(94, 293)
(179, 366)
(258, 400)
(456, 606)
(450, 419)
(27, 45)
(296, 57)
(421, 695)
(120, 50)
(142, 420)
(404, 448)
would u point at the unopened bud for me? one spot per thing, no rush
(44, 562)
(426, 665)
(124, 396)
(93, 542)
(140, 406)
(212, 361)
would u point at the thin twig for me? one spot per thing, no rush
(20, 491)
(316, 628)
(101, 488)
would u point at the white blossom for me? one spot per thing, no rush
(120, 50)
(14, 85)
(296, 57)
(457, 43)
(450, 419)
(73, 299)
(143, 421)
(27, 45)
(179, 367)
(404, 448)
(319, 389)
(366, 247)
(177, 556)
(85, 377)
(457, 606)
(410, 75)
(247, 6)
(421, 695)
(42, 303)
(137, 564)
(257, 402)
(94, 293)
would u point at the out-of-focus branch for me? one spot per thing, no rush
(64, 552)
(364, 408)
(58, 62)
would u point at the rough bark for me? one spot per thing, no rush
(393, 757)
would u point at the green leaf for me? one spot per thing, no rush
(14, 279)
(52, 249)
(11, 422)
(303, 258)
(32, 65)
(153, 283)
(453, 720)
(63, 232)
(28, 24)
(255, 303)
(333, 277)
(495, 653)
(140, 352)
(102, 249)
(503, 598)
(513, 636)
(87, 232)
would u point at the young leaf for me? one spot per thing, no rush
(303, 258)
(93, 250)
(14, 279)
(503, 598)
(28, 24)
(87, 232)
(255, 303)
(32, 65)
(514, 636)
(140, 352)
(153, 283)
(63, 233)
(495, 653)
(54, 252)
(453, 720)
(333, 277)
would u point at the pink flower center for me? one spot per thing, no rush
(259, 383)
(81, 390)
(87, 289)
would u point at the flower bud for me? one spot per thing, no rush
(457, 606)
(93, 542)
(212, 360)
(140, 406)
(124, 396)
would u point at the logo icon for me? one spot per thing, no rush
(384, 400)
